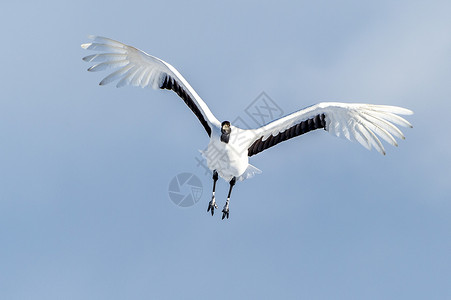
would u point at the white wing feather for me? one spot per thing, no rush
(363, 123)
(138, 68)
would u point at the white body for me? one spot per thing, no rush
(230, 159)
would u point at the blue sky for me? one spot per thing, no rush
(84, 170)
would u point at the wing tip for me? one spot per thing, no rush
(408, 111)
(403, 111)
(408, 124)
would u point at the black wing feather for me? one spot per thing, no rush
(170, 84)
(300, 128)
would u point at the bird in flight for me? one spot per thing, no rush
(230, 147)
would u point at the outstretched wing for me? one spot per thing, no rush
(138, 68)
(357, 122)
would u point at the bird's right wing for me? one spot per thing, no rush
(356, 122)
(137, 68)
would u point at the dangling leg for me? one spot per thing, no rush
(212, 205)
(225, 210)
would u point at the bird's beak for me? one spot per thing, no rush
(225, 129)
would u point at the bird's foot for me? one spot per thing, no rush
(225, 210)
(212, 205)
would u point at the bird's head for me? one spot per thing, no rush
(225, 130)
(225, 127)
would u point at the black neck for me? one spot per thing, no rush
(225, 137)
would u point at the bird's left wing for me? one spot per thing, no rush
(137, 68)
(357, 122)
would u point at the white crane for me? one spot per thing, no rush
(230, 147)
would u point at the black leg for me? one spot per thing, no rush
(225, 210)
(212, 205)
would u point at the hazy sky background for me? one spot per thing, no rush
(84, 170)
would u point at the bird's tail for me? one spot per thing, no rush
(250, 172)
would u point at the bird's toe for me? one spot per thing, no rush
(225, 214)
(212, 205)
(225, 211)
